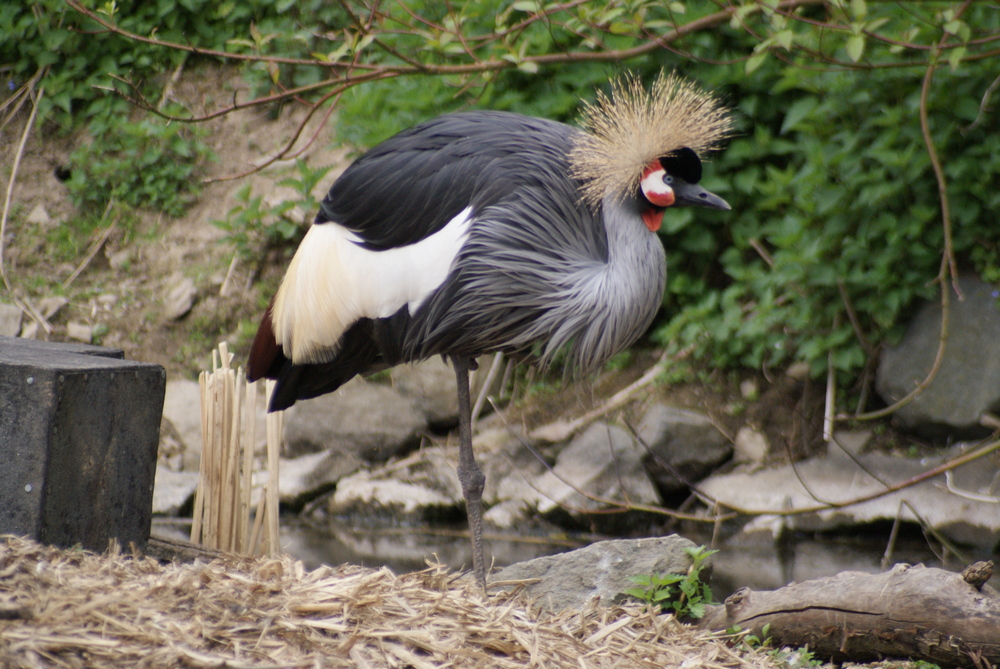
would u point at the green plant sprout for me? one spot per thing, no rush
(685, 595)
(253, 226)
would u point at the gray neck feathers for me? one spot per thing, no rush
(609, 305)
(542, 270)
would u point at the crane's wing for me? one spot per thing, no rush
(414, 183)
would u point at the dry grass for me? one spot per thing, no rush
(71, 608)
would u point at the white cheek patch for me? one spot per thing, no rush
(332, 282)
(655, 190)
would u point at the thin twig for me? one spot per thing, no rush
(984, 106)
(948, 271)
(890, 545)
(888, 490)
(168, 88)
(615, 506)
(10, 187)
(487, 384)
(94, 248)
(561, 430)
(347, 78)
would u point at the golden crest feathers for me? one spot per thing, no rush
(633, 127)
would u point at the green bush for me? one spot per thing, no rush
(82, 60)
(834, 204)
(151, 164)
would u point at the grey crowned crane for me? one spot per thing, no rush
(482, 231)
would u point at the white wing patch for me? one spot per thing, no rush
(332, 282)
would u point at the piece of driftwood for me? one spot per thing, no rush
(171, 549)
(909, 611)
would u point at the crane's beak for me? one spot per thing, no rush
(693, 195)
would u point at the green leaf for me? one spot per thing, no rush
(528, 66)
(955, 57)
(859, 8)
(799, 110)
(739, 16)
(872, 26)
(784, 39)
(855, 47)
(755, 61)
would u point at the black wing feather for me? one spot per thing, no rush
(410, 186)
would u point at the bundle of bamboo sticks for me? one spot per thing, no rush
(229, 432)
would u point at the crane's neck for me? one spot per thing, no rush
(637, 267)
(619, 297)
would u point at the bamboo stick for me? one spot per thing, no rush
(273, 450)
(249, 443)
(229, 434)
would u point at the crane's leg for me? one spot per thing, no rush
(469, 474)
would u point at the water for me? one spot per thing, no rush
(759, 564)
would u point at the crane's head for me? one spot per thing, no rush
(672, 181)
(644, 145)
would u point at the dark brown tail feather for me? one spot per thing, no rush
(358, 353)
(266, 357)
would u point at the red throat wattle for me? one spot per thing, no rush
(652, 218)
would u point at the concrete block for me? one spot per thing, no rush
(79, 427)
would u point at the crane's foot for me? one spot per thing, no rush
(473, 480)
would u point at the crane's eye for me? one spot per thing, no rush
(667, 179)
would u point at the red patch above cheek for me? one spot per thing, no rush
(662, 198)
(652, 218)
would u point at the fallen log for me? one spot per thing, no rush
(907, 612)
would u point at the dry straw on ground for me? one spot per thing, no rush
(72, 608)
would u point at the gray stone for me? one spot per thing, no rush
(604, 462)
(602, 570)
(50, 306)
(362, 419)
(968, 514)
(120, 260)
(967, 384)
(78, 442)
(509, 463)
(416, 488)
(848, 444)
(182, 412)
(79, 331)
(10, 320)
(172, 490)
(181, 293)
(750, 445)
(303, 478)
(39, 216)
(511, 468)
(684, 446)
(107, 300)
(431, 384)
(29, 330)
